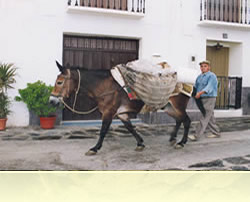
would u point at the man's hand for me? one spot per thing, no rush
(198, 95)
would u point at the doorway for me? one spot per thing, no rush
(91, 52)
(219, 59)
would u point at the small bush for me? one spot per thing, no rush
(36, 96)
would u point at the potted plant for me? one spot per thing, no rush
(36, 96)
(7, 78)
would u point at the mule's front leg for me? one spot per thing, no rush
(104, 129)
(127, 123)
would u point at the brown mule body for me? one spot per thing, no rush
(112, 101)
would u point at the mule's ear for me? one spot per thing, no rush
(60, 67)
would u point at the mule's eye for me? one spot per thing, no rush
(59, 83)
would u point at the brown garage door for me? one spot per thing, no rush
(94, 53)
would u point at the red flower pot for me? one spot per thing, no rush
(47, 122)
(3, 123)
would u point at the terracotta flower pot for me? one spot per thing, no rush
(3, 123)
(47, 122)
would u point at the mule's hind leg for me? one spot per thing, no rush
(127, 123)
(177, 109)
(186, 122)
(104, 129)
(173, 112)
(173, 136)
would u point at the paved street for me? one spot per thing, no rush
(63, 148)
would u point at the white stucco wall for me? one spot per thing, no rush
(32, 32)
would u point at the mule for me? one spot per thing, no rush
(112, 101)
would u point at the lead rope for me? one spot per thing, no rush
(76, 93)
(78, 87)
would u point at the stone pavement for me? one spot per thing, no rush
(78, 132)
(148, 132)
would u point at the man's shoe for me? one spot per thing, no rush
(192, 137)
(213, 136)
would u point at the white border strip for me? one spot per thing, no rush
(82, 9)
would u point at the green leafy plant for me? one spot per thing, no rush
(36, 96)
(4, 105)
(7, 76)
(7, 79)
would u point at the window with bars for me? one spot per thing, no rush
(233, 11)
(123, 5)
(229, 92)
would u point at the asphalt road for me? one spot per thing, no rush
(230, 152)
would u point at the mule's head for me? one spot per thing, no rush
(65, 85)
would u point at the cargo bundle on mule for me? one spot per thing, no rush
(151, 83)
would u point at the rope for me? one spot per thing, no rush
(76, 93)
(78, 112)
(78, 87)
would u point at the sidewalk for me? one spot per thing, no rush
(63, 148)
(83, 132)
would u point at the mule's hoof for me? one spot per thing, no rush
(139, 148)
(90, 153)
(172, 142)
(179, 146)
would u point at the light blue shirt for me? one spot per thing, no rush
(207, 82)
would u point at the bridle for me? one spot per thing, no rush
(75, 97)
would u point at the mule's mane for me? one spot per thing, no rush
(86, 69)
(96, 72)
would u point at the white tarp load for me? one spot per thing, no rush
(153, 84)
(184, 74)
(149, 67)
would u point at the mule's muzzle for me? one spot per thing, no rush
(53, 100)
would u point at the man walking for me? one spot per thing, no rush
(206, 86)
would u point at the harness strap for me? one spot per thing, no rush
(111, 91)
(104, 94)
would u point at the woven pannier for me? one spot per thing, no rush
(153, 90)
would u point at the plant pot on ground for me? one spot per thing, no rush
(36, 96)
(4, 110)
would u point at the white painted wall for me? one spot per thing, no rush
(32, 32)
